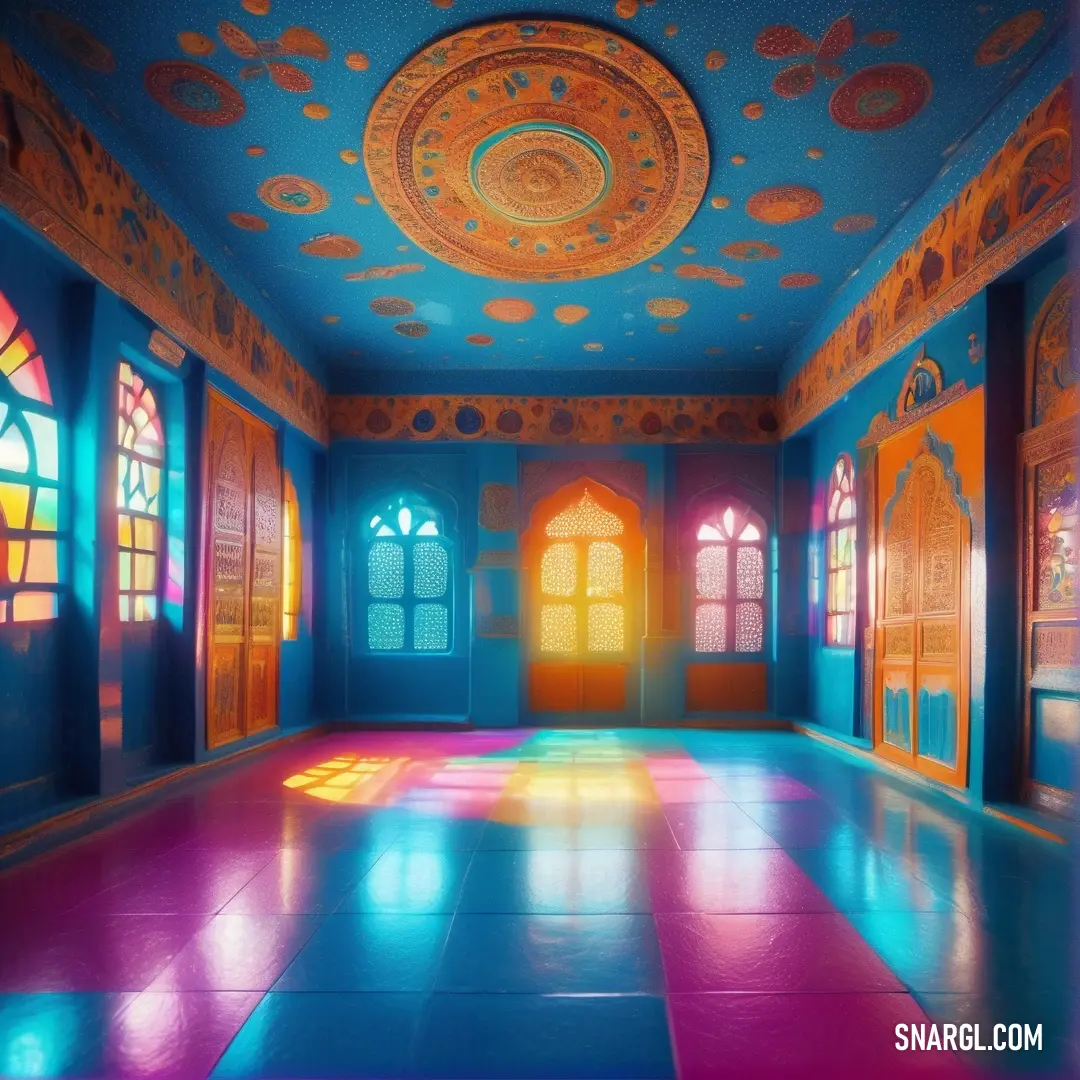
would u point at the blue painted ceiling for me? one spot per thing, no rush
(751, 328)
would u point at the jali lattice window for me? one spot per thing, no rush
(290, 563)
(729, 580)
(30, 551)
(408, 579)
(840, 552)
(140, 462)
(582, 581)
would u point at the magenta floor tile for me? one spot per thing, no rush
(88, 953)
(748, 881)
(238, 952)
(184, 881)
(715, 826)
(839, 1036)
(805, 953)
(301, 881)
(176, 1036)
(752, 789)
(701, 790)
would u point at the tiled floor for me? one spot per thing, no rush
(549, 905)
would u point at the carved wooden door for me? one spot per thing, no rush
(1050, 462)
(243, 524)
(921, 677)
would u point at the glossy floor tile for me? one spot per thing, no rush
(546, 905)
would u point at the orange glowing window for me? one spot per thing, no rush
(582, 586)
(30, 549)
(840, 550)
(729, 581)
(291, 563)
(140, 463)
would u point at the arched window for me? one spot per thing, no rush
(140, 462)
(729, 577)
(583, 581)
(290, 555)
(840, 554)
(409, 586)
(29, 479)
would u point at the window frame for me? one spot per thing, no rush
(843, 470)
(291, 560)
(157, 519)
(408, 600)
(745, 513)
(16, 406)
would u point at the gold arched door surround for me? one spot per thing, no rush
(922, 636)
(583, 574)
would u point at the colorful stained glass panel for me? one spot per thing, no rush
(750, 573)
(711, 572)
(607, 628)
(585, 518)
(431, 570)
(558, 628)
(386, 570)
(431, 628)
(710, 628)
(558, 570)
(386, 627)
(749, 627)
(605, 569)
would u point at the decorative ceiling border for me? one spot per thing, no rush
(1020, 199)
(739, 419)
(57, 178)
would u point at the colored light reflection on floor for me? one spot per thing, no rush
(348, 778)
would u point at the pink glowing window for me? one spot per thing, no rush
(840, 550)
(30, 549)
(140, 461)
(729, 581)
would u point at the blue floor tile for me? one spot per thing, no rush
(411, 882)
(526, 1037)
(359, 1036)
(552, 954)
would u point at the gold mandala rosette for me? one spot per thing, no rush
(543, 151)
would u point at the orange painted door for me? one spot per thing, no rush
(922, 636)
(242, 506)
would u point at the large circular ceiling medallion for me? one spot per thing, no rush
(880, 97)
(537, 152)
(780, 205)
(193, 93)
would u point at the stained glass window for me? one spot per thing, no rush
(139, 465)
(30, 549)
(730, 566)
(408, 583)
(584, 563)
(840, 549)
(291, 556)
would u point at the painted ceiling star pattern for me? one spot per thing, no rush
(840, 118)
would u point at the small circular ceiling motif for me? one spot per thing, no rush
(880, 97)
(540, 151)
(780, 205)
(193, 93)
(76, 42)
(412, 329)
(568, 314)
(815, 153)
(715, 60)
(293, 195)
(668, 328)
(479, 339)
(753, 110)
(750, 250)
(738, 159)
(331, 319)
(256, 7)
(314, 111)
(799, 281)
(357, 61)
(1010, 37)
(626, 9)
(290, 77)
(882, 38)
(854, 223)
(392, 305)
(350, 157)
(719, 202)
(509, 309)
(331, 246)
(362, 200)
(593, 346)
(745, 316)
(251, 222)
(195, 44)
(255, 151)
(666, 307)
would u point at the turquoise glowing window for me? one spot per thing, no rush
(140, 461)
(729, 581)
(31, 550)
(407, 579)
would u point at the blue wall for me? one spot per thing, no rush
(88, 704)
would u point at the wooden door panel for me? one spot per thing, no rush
(243, 552)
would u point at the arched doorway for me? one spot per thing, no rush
(922, 637)
(583, 582)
